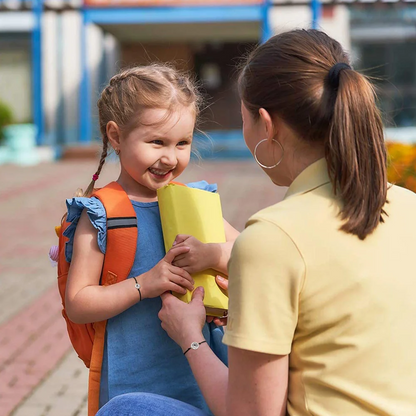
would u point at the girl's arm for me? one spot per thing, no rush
(206, 256)
(231, 235)
(87, 301)
(255, 385)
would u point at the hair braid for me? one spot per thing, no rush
(90, 188)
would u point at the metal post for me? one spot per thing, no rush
(85, 122)
(316, 7)
(266, 32)
(37, 90)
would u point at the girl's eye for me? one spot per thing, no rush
(158, 142)
(183, 143)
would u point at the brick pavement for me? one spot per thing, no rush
(39, 373)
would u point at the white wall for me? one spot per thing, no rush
(61, 65)
(338, 26)
(95, 54)
(71, 71)
(16, 21)
(62, 71)
(112, 51)
(284, 18)
(51, 94)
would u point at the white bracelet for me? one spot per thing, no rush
(194, 346)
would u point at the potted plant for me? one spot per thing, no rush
(17, 140)
(401, 169)
(6, 118)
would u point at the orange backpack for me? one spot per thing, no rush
(88, 339)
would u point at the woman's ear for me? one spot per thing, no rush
(268, 125)
(113, 134)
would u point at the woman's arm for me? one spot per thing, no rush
(230, 232)
(86, 301)
(256, 384)
(183, 323)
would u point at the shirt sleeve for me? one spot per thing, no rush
(204, 186)
(266, 274)
(97, 216)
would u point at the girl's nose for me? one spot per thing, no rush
(169, 157)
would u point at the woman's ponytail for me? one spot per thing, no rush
(303, 77)
(356, 154)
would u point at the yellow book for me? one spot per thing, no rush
(198, 213)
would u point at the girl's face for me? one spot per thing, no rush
(157, 151)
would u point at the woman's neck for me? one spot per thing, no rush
(295, 162)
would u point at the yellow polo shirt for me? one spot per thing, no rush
(344, 309)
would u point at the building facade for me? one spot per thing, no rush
(57, 55)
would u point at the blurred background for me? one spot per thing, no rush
(55, 58)
(57, 55)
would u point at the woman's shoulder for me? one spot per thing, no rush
(274, 214)
(97, 216)
(263, 233)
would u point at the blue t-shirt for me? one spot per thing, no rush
(139, 356)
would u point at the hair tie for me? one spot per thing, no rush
(333, 74)
(95, 177)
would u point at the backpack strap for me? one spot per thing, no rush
(118, 261)
(176, 183)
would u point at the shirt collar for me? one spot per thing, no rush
(312, 177)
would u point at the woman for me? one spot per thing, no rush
(322, 285)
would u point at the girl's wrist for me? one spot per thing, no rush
(211, 254)
(142, 287)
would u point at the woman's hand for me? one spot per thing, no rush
(222, 282)
(166, 277)
(183, 321)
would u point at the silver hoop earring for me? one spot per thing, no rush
(117, 151)
(261, 164)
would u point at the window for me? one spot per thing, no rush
(393, 66)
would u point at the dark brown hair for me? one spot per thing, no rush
(135, 89)
(288, 76)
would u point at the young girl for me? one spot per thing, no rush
(147, 115)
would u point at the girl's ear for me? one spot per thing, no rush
(113, 134)
(267, 124)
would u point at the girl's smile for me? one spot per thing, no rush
(159, 174)
(155, 152)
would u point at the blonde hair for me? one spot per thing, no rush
(136, 89)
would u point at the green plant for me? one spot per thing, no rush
(6, 118)
(401, 169)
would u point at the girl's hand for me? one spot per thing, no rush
(222, 282)
(165, 277)
(183, 321)
(200, 256)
